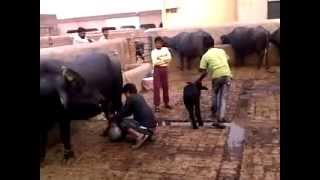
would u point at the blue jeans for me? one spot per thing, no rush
(220, 90)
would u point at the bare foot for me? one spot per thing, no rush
(140, 141)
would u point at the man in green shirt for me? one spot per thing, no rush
(215, 61)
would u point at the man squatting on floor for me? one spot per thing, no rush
(143, 126)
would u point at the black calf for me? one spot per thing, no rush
(191, 99)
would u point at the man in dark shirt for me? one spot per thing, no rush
(144, 124)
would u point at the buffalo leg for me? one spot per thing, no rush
(116, 100)
(190, 109)
(242, 59)
(189, 64)
(43, 144)
(239, 60)
(65, 134)
(182, 62)
(260, 58)
(106, 110)
(198, 112)
(266, 56)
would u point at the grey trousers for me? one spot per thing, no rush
(220, 90)
(133, 124)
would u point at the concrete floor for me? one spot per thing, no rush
(247, 149)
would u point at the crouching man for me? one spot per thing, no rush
(143, 126)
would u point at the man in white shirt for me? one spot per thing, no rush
(105, 34)
(81, 38)
(161, 58)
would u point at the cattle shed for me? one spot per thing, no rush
(121, 45)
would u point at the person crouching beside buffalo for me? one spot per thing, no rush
(215, 61)
(161, 58)
(143, 126)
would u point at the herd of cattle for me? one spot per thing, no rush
(244, 41)
(91, 83)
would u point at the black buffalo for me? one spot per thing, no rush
(78, 89)
(275, 38)
(191, 100)
(245, 41)
(188, 45)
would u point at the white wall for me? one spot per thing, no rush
(199, 13)
(118, 22)
(64, 27)
(213, 12)
(252, 10)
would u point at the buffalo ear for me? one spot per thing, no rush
(72, 78)
(224, 39)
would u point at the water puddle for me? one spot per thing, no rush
(235, 141)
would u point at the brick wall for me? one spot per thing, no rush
(146, 17)
(154, 18)
(54, 41)
(64, 27)
(48, 25)
(48, 19)
(118, 48)
(130, 36)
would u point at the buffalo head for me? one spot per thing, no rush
(69, 87)
(198, 85)
(225, 39)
